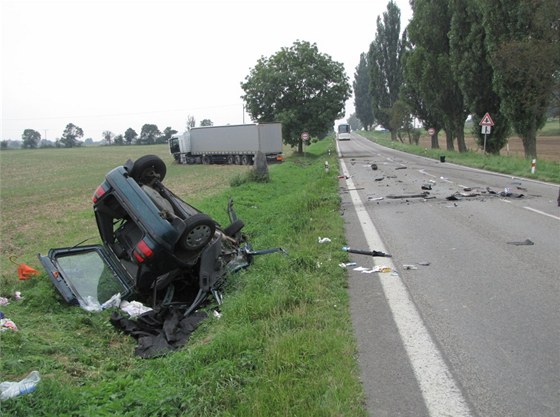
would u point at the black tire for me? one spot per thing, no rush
(237, 160)
(245, 159)
(199, 231)
(234, 228)
(230, 159)
(147, 168)
(206, 160)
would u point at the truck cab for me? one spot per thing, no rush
(343, 132)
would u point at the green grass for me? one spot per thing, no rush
(511, 165)
(284, 345)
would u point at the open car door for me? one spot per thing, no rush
(86, 274)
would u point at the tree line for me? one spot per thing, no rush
(458, 58)
(72, 135)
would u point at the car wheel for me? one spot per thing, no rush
(234, 228)
(230, 159)
(237, 160)
(147, 168)
(199, 231)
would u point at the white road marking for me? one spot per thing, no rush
(541, 212)
(439, 390)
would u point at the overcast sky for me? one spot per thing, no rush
(110, 65)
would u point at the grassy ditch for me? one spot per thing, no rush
(511, 165)
(283, 346)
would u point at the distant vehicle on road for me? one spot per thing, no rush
(343, 132)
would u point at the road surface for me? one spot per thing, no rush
(473, 327)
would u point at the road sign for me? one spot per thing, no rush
(486, 129)
(431, 131)
(305, 136)
(486, 120)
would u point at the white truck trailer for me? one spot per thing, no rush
(231, 144)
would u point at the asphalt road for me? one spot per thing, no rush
(488, 305)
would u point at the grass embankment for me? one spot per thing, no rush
(284, 345)
(511, 165)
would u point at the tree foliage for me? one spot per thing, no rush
(130, 135)
(429, 73)
(362, 96)
(71, 135)
(108, 136)
(167, 133)
(385, 66)
(523, 40)
(30, 138)
(149, 134)
(206, 122)
(301, 88)
(473, 72)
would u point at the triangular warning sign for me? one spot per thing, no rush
(486, 120)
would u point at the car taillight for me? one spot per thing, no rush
(100, 192)
(142, 251)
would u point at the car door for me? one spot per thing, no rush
(86, 274)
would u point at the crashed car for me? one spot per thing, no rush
(155, 245)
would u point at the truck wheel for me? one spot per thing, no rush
(230, 159)
(147, 168)
(237, 160)
(199, 231)
(246, 159)
(206, 160)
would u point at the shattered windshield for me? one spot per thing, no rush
(89, 276)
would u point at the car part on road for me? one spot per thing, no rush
(365, 252)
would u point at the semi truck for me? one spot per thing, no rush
(231, 144)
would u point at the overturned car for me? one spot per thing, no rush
(156, 247)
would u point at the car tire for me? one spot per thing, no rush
(147, 168)
(199, 230)
(234, 228)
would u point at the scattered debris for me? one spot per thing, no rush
(9, 389)
(424, 263)
(343, 177)
(4, 301)
(134, 308)
(7, 324)
(372, 198)
(426, 187)
(401, 167)
(526, 242)
(346, 265)
(379, 179)
(365, 252)
(409, 267)
(421, 195)
(374, 167)
(324, 240)
(24, 271)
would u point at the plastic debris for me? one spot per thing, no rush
(409, 267)
(4, 301)
(324, 240)
(372, 198)
(9, 389)
(426, 187)
(364, 252)
(425, 194)
(7, 324)
(346, 265)
(424, 263)
(379, 179)
(134, 308)
(26, 272)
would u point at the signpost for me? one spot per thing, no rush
(486, 123)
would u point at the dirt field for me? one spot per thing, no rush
(548, 147)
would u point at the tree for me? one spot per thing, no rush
(206, 122)
(385, 69)
(191, 122)
(71, 135)
(31, 138)
(299, 87)
(130, 135)
(362, 96)
(429, 75)
(523, 40)
(118, 140)
(108, 136)
(149, 134)
(167, 133)
(472, 69)
(354, 122)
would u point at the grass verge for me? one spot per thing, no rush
(511, 165)
(284, 344)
